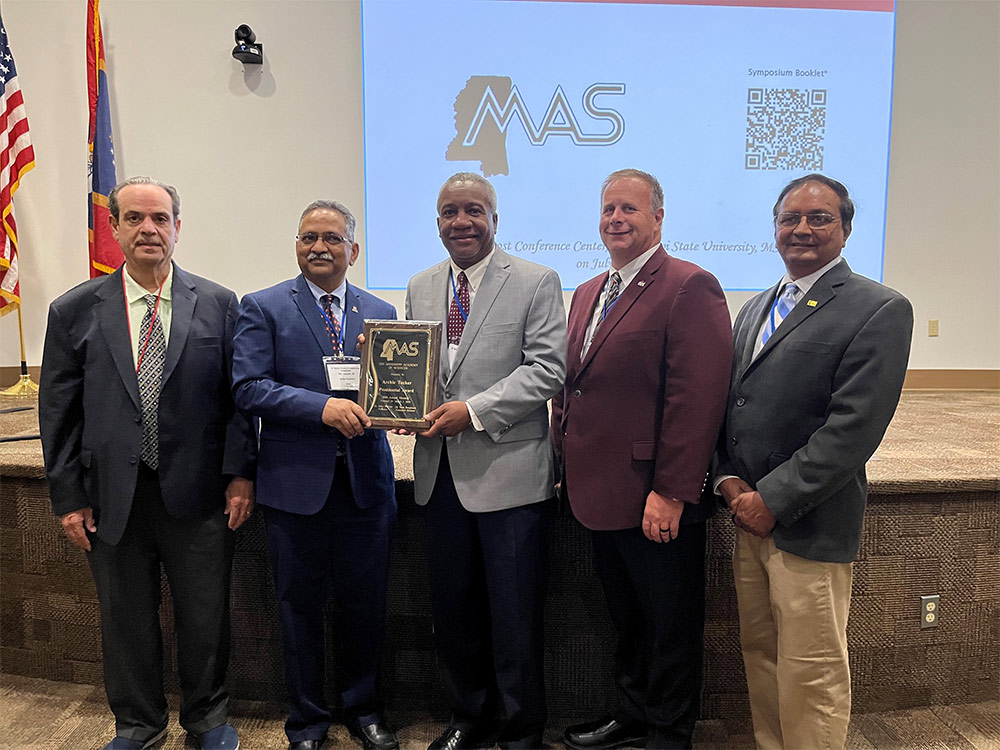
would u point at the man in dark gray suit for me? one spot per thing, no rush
(818, 365)
(149, 463)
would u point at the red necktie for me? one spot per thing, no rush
(456, 321)
(331, 319)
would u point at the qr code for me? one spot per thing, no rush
(785, 128)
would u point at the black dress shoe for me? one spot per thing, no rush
(456, 739)
(376, 736)
(305, 745)
(605, 733)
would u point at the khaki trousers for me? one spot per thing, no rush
(793, 633)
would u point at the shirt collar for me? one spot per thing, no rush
(474, 273)
(134, 291)
(804, 283)
(340, 292)
(631, 269)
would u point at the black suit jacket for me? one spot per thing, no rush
(805, 415)
(91, 418)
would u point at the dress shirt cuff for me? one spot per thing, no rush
(475, 420)
(720, 480)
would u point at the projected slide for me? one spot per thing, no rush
(723, 103)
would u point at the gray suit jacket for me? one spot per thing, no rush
(511, 361)
(805, 415)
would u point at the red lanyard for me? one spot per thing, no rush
(152, 320)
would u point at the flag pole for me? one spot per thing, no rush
(25, 386)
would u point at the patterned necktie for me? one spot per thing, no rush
(152, 350)
(614, 287)
(456, 322)
(331, 319)
(779, 311)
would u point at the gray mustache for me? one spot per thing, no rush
(319, 256)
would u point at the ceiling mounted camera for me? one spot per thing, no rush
(247, 51)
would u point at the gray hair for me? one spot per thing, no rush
(654, 184)
(460, 177)
(175, 198)
(340, 208)
(846, 204)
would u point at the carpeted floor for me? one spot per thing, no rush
(66, 716)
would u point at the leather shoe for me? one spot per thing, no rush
(456, 739)
(605, 733)
(306, 744)
(124, 743)
(376, 736)
(222, 737)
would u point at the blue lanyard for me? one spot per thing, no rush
(343, 322)
(454, 291)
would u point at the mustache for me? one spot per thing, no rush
(319, 256)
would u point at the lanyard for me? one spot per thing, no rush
(330, 323)
(607, 307)
(454, 292)
(152, 320)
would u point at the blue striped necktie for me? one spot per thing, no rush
(779, 311)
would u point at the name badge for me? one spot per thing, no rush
(342, 373)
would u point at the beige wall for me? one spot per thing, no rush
(249, 150)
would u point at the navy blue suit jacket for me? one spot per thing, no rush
(91, 418)
(278, 376)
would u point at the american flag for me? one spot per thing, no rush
(16, 158)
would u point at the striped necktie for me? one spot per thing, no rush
(779, 311)
(330, 319)
(152, 352)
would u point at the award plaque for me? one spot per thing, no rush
(399, 372)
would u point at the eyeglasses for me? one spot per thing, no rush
(329, 238)
(815, 221)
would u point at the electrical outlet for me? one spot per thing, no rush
(932, 328)
(930, 611)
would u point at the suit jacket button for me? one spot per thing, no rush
(138, 419)
(734, 441)
(133, 460)
(576, 393)
(740, 401)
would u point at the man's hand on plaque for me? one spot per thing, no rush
(345, 416)
(448, 420)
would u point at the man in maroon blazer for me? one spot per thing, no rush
(650, 347)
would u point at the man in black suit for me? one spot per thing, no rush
(146, 457)
(818, 365)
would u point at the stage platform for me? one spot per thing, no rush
(933, 527)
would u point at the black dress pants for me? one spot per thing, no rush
(196, 555)
(488, 576)
(656, 597)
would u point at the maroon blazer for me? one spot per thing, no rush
(643, 409)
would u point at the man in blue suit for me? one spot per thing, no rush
(326, 483)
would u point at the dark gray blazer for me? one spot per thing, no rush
(805, 415)
(91, 418)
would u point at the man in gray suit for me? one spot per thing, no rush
(484, 468)
(818, 366)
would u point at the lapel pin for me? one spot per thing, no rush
(811, 303)
(640, 283)
(354, 308)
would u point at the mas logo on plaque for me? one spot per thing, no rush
(399, 372)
